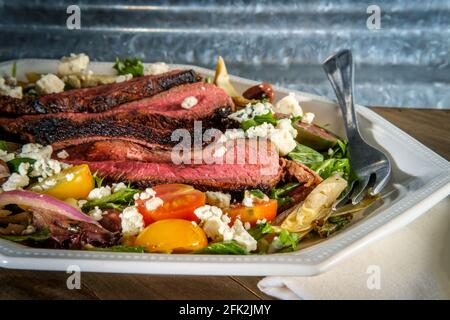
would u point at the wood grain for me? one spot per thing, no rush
(431, 127)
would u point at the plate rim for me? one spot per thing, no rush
(16, 256)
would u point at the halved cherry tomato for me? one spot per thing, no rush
(259, 211)
(172, 235)
(74, 182)
(180, 201)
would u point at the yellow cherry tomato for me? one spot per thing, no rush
(75, 182)
(172, 235)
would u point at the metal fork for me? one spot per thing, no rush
(371, 166)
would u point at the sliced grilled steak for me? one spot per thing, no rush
(245, 164)
(99, 98)
(149, 120)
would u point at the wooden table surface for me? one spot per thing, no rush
(431, 127)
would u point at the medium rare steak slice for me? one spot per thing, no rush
(149, 120)
(99, 98)
(240, 164)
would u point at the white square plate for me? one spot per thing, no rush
(420, 179)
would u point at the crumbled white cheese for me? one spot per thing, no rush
(153, 203)
(189, 102)
(29, 230)
(132, 221)
(283, 141)
(156, 68)
(15, 181)
(261, 221)
(62, 154)
(5, 156)
(262, 131)
(49, 83)
(233, 134)
(23, 168)
(146, 194)
(99, 193)
(116, 187)
(220, 152)
(308, 117)
(216, 226)
(70, 176)
(45, 168)
(96, 213)
(286, 124)
(35, 151)
(75, 63)
(250, 111)
(242, 237)
(10, 90)
(218, 199)
(289, 105)
(247, 226)
(81, 203)
(282, 137)
(124, 77)
(247, 201)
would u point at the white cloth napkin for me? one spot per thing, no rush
(413, 263)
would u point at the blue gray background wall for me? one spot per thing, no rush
(404, 64)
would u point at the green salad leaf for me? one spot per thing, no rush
(224, 247)
(329, 167)
(120, 248)
(98, 180)
(260, 230)
(40, 235)
(305, 155)
(257, 193)
(3, 145)
(332, 225)
(118, 200)
(15, 163)
(284, 240)
(126, 66)
(14, 69)
(258, 120)
(280, 192)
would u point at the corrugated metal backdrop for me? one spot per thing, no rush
(405, 63)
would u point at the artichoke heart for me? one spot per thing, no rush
(317, 205)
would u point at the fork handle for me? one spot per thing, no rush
(339, 69)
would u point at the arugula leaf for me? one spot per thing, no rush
(98, 180)
(3, 145)
(40, 235)
(332, 166)
(15, 163)
(118, 200)
(120, 248)
(258, 231)
(305, 155)
(280, 192)
(14, 69)
(257, 193)
(332, 225)
(225, 247)
(340, 150)
(285, 239)
(296, 118)
(258, 120)
(133, 66)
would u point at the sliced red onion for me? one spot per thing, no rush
(44, 202)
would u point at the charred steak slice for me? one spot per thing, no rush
(151, 119)
(99, 98)
(245, 163)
